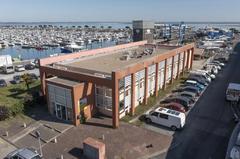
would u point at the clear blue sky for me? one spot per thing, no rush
(119, 10)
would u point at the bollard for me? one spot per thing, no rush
(6, 133)
(103, 137)
(61, 157)
(55, 140)
(24, 125)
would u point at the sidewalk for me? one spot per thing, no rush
(5, 148)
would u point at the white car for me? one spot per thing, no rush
(219, 63)
(19, 68)
(207, 73)
(166, 117)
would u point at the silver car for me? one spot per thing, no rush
(24, 153)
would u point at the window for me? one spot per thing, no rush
(126, 92)
(164, 116)
(155, 114)
(121, 105)
(108, 92)
(83, 101)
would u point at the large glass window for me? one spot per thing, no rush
(103, 97)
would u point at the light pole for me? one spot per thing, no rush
(39, 141)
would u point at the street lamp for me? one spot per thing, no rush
(39, 141)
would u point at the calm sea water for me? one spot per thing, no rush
(26, 54)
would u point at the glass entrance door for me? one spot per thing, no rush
(61, 112)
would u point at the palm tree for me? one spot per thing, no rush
(27, 79)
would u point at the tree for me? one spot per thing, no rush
(27, 79)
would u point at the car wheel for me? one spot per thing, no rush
(148, 121)
(174, 128)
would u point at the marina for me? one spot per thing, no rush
(39, 41)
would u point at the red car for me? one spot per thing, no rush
(175, 106)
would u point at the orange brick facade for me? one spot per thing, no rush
(87, 89)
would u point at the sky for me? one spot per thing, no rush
(119, 10)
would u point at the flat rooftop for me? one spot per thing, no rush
(106, 63)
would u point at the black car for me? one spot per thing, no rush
(16, 79)
(192, 89)
(3, 83)
(33, 76)
(29, 67)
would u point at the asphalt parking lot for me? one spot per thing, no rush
(210, 123)
(9, 77)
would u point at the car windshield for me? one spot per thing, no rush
(10, 67)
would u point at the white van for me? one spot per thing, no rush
(233, 92)
(166, 117)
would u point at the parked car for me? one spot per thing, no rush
(29, 66)
(3, 83)
(216, 65)
(192, 96)
(178, 99)
(19, 68)
(206, 73)
(219, 63)
(174, 106)
(222, 59)
(16, 79)
(200, 75)
(24, 153)
(194, 83)
(166, 117)
(192, 89)
(199, 80)
(33, 76)
(36, 62)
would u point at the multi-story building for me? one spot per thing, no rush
(112, 81)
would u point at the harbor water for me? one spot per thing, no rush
(27, 54)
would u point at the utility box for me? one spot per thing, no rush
(93, 149)
(143, 30)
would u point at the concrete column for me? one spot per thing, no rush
(43, 82)
(165, 75)
(47, 100)
(76, 109)
(156, 79)
(192, 57)
(133, 85)
(115, 101)
(178, 67)
(188, 53)
(183, 66)
(171, 81)
(146, 86)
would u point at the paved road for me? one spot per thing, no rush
(210, 123)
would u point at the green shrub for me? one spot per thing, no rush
(17, 108)
(4, 113)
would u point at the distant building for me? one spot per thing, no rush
(143, 30)
(112, 81)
